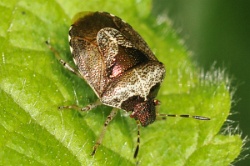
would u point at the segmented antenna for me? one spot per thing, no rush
(138, 139)
(164, 116)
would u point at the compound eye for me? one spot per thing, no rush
(156, 102)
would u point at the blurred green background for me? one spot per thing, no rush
(218, 31)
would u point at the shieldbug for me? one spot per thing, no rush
(119, 66)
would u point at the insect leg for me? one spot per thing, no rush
(86, 108)
(108, 120)
(64, 63)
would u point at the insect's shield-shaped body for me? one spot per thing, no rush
(117, 63)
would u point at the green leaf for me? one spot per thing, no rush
(33, 84)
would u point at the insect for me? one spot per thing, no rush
(119, 66)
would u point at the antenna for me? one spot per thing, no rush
(164, 116)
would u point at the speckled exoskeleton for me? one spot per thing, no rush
(119, 66)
